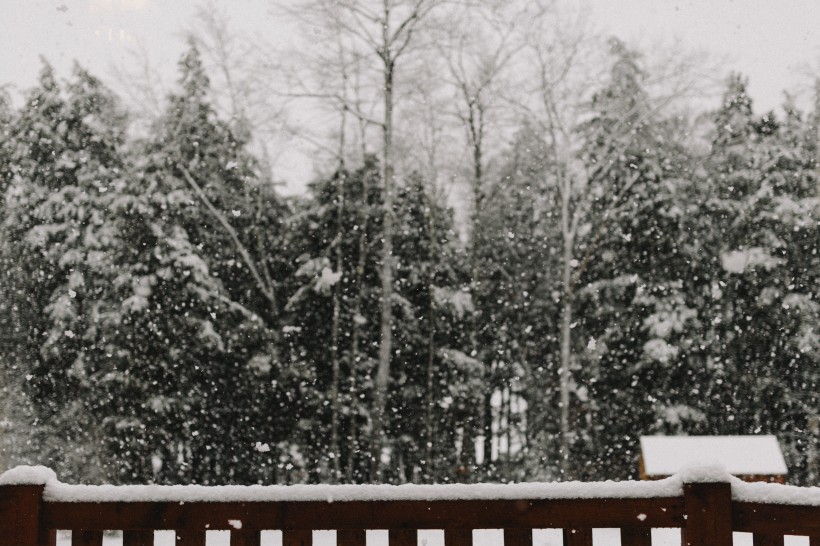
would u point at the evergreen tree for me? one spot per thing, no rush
(429, 360)
(518, 308)
(65, 160)
(335, 233)
(763, 339)
(633, 310)
(432, 363)
(198, 324)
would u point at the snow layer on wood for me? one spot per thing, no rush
(666, 455)
(28, 475)
(670, 487)
(704, 473)
(775, 493)
(59, 492)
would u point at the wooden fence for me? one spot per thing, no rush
(705, 513)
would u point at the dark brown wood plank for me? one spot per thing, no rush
(776, 519)
(459, 537)
(578, 536)
(351, 537)
(137, 538)
(517, 537)
(708, 514)
(402, 537)
(48, 537)
(636, 536)
(759, 539)
(470, 514)
(86, 538)
(297, 537)
(814, 541)
(191, 537)
(20, 507)
(245, 537)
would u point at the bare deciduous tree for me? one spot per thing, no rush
(477, 53)
(385, 30)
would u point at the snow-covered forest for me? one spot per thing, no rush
(526, 245)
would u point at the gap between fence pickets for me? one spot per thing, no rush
(27, 493)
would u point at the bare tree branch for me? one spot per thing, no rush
(264, 288)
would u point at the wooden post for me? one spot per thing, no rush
(402, 537)
(578, 536)
(137, 538)
(517, 537)
(190, 537)
(89, 538)
(20, 514)
(245, 537)
(708, 513)
(297, 537)
(460, 537)
(351, 537)
(636, 536)
(767, 540)
(48, 537)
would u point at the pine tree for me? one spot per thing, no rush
(199, 322)
(632, 310)
(65, 158)
(764, 335)
(428, 335)
(518, 308)
(335, 231)
(432, 360)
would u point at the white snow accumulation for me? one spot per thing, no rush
(56, 491)
(749, 455)
(28, 475)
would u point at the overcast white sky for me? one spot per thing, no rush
(771, 41)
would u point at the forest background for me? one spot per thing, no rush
(530, 245)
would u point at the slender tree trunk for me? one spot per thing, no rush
(335, 406)
(334, 344)
(386, 341)
(475, 131)
(566, 326)
(509, 423)
(353, 449)
(817, 132)
(813, 454)
(428, 416)
(361, 122)
(475, 280)
(431, 344)
(355, 343)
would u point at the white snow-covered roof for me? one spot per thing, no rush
(740, 455)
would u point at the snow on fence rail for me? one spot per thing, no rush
(705, 503)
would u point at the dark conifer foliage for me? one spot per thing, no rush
(167, 316)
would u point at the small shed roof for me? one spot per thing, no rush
(741, 455)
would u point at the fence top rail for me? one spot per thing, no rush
(56, 491)
(774, 493)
